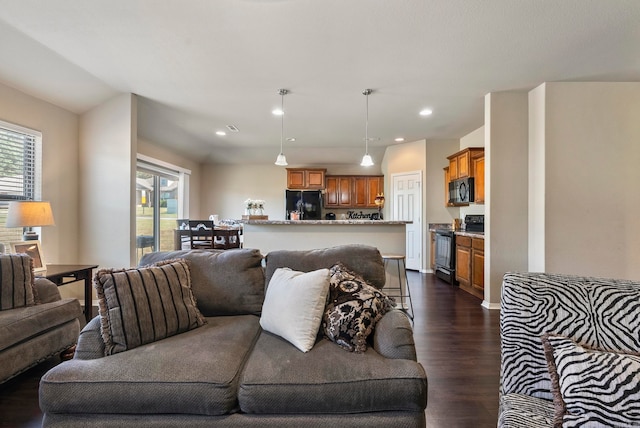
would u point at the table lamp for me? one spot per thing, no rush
(28, 214)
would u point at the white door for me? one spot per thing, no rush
(407, 205)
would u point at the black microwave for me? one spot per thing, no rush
(461, 191)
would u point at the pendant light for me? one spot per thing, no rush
(366, 159)
(281, 160)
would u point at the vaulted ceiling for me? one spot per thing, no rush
(200, 65)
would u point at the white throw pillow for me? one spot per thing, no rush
(293, 305)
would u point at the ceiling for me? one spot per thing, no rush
(199, 65)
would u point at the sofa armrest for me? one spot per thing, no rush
(46, 291)
(393, 336)
(90, 344)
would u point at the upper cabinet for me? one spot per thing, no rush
(305, 178)
(460, 163)
(477, 168)
(463, 164)
(338, 192)
(352, 191)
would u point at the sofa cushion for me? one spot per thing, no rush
(353, 309)
(16, 281)
(364, 260)
(278, 379)
(294, 304)
(22, 324)
(191, 373)
(139, 306)
(598, 312)
(592, 386)
(227, 282)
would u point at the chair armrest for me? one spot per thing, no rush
(90, 344)
(393, 336)
(46, 291)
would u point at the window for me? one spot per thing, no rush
(20, 172)
(161, 198)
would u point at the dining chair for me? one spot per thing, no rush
(201, 234)
(225, 239)
(183, 227)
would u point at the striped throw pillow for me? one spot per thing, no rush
(16, 281)
(143, 305)
(592, 387)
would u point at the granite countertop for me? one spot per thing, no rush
(470, 234)
(324, 222)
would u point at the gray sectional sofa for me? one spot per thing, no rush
(596, 331)
(231, 373)
(32, 334)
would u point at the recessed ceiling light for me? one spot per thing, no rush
(426, 112)
(291, 139)
(277, 112)
(399, 140)
(221, 133)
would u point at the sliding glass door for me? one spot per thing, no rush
(157, 207)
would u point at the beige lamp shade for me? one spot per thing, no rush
(29, 214)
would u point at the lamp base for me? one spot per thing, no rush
(30, 236)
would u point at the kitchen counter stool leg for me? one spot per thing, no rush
(407, 307)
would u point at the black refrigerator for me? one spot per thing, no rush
(306, 202)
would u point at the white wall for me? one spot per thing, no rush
(107, 183)
(59, 129)
(473, 139)
(434, 187)
(591, 171)
(536, 189)
(506, 185)
(224, 188)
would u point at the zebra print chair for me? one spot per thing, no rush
(602, 314)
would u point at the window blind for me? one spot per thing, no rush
(19, 172)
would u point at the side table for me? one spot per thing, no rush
(66, 274)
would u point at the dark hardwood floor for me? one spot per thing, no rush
(458, 343)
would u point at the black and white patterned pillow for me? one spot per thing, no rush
(353, 309)
(16, 281)
(592, 387)
(143, 305)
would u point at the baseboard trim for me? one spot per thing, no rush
(491, 306)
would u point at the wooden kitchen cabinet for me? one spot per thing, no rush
(470, 264)
(466, 163)
(463, 260)
(306, 178)
(477, 265)
(360, 192)
(337, 192)
(352, 191)
(477, 166)
(453, 168)
(365, 190)
(460, 162)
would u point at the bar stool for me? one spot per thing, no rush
(403, 294)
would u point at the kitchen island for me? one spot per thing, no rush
(388, 236)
